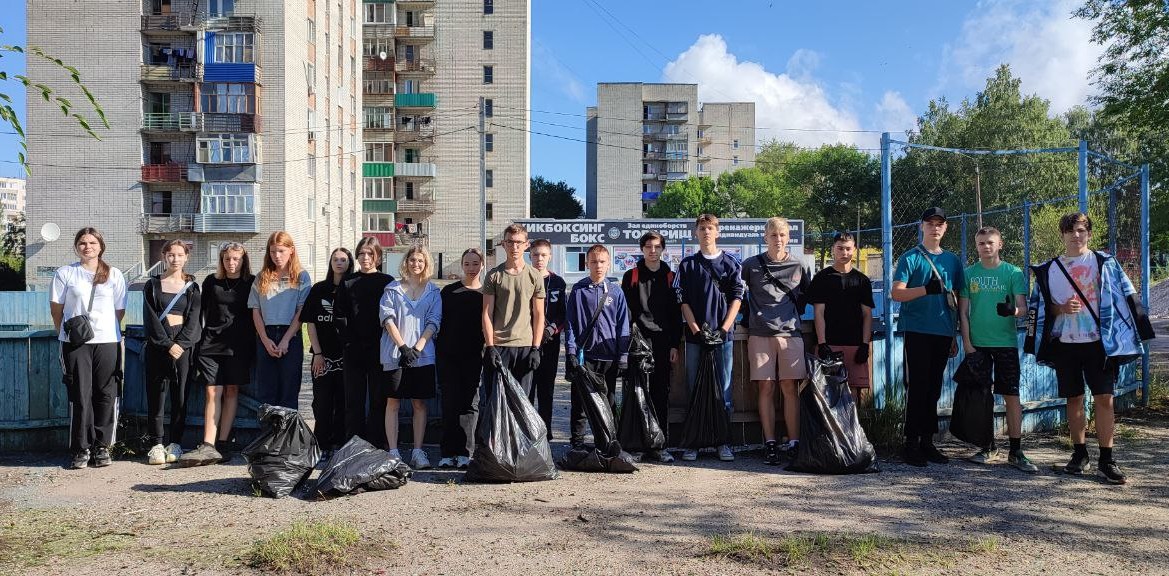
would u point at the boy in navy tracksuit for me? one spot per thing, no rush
(711, 288)
(603, 343)
(544, 381)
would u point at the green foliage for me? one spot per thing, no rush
(13, 241)
(743, 193)
(11, 273)
(554, 200)
(840, 185)
(305, 548)
(8, 114)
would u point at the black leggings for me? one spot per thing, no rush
(165, 375)
(365, 398)
(926, 356)
(93, 391)
(544, 381)
(458, 375)
(329, 405)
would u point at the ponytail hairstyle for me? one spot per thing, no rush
(186, 248)
(103, 269)
(269, 275)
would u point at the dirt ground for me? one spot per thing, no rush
(131, 518)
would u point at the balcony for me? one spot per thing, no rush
(415, 134)
(169, 172)
(414, 34)
(161, 122)
(653, 155)
(377, 169)
(415, 170)
(386, 239)
(419, 100)
(676, 117)
(163, 223)
(167, 24)
(227, 122)
(406, 240)
(370, 206)
(650, 196)
(178, 73)
(417, 67)
(205, 223)
(233, 23)
(378, 30)
(417, 205)
(703, 137)
(376, 64)
(653, 175)
(414, 4)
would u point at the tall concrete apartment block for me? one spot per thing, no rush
(229, 120)
(426, 64)
(642, 136)
(11, 200)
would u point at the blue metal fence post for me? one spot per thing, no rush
(1146, 274)
(1112, 220)
(1083, 170)
(887, 262)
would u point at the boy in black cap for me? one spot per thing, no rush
(924, 282)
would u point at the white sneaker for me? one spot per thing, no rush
(395, 454)
(725, 454)
(461, 462)
(156, 456)
(173, 453)
(689, 455)
(418, 459)
(447, 462)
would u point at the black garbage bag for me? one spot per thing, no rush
(707, 423)
(639, 430)
(831, 438)
(284, 454)
(511, 442)
(972, 419)
(590, 391)
(358, 467)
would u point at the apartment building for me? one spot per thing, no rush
(229, 120)
(11, 199)
(642, 136)
(426, 66)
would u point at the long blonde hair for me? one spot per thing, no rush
(427, 269)
(269, 275)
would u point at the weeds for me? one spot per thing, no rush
(985, 545)
(885, 428)
(827, 552)
(305, 548)
(34, 538)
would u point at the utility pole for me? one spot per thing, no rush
(482, 178)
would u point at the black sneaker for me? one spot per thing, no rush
(202, 455)
(912, 455)
(1111, 472)
(1079, 464)
(101, 457)
(771, 453)
(931, 453)
(80, 460)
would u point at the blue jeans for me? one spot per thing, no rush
(278, 379)
(723, 362)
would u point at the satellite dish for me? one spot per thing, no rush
(50, 232)
(383, 55)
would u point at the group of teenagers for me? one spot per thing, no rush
(377, 340)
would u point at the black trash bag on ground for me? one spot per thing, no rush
(589, 389)
(511, 442)
(831, 438)
(707, 423)
(358, 467)
(284, 454)
(972, 419)
(639, 430)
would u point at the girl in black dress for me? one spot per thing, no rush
(355, 312)
(460, 351)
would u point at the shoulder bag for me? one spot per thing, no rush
(79, 329)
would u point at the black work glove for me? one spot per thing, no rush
(409, 355)
(934, 286)
(1006, 308)
(491, 357)
(571, 365)
(549, 333)
(824, 351)
(862, 354)
(533, 358)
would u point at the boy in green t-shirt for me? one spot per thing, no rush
(992, 297)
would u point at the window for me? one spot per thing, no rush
(312, 211)
(412, 155)
(735, 161)
(488, 6)
(379, 221)
(222, 8)
(408, 189)
(352, 25)
(489, 142)
(310, 75)
(490, 178)
(378, 117)
(353, 65)
(490, 211)
(488, 40)
(159, 7)
(224, 149)
(378, 86)
(353, 181)
(158, 102)
(222, 198)
(312, 31)
(379, 152)
(312, 125)
(377, 13)
(228, 98)
(378, 189)
(735, 144)
(488, 107)
(312, 252)
(312, 165)
(488, 74)
(160, 202)
(234, 48)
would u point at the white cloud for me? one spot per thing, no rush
(792, 99)
(549, 67)
(894, 113)
(1046, 48)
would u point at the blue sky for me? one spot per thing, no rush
(832, 70)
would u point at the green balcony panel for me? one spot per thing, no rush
(379, 206)
(377, 169)
(422, 100)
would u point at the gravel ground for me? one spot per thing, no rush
(958, 518)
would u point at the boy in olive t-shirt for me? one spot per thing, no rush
(513, 312)
(992, 297)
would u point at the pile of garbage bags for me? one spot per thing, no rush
(831, 438)
(606, 455)
(284, 454)
(358, 467)
(639, 429)
(511, 442)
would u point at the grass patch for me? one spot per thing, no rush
(306, 548)
(844, 552)
(37, 537)
(885, 428)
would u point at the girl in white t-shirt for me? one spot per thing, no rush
(94, 288)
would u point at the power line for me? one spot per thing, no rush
(642, 120)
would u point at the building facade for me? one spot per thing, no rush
(11, 199)
(642, 136)
(427, 66)
(229, 120)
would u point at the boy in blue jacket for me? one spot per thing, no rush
(597, 335)
(711, 288)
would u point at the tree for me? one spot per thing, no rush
(554, 200)
(14, 237)
(840, 185)
(8, 114)
(743, 193)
